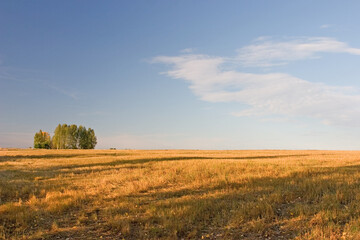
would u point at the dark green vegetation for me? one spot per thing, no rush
(66, 137)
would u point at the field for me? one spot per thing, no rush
(179, 194)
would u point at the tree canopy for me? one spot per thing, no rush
(67, 137)
(42, 140)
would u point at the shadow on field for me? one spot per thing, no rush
(255, 208)
(86, 232)
(165, 159)
(58, 156)
(86, 155)
(28, 177)
(261, 208)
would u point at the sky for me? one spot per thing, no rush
(183, 74)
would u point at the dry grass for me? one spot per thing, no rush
(130, 194)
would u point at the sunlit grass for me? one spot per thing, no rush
(133, 194)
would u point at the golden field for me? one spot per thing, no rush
(179, 194)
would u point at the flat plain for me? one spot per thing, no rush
(179, 194)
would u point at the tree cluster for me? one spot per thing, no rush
(66, 137)
(42, 140)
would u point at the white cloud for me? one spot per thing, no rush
(187, 50)
(326, 26)
(265, 52)
(273, 93)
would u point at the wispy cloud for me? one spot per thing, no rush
(66, 92)
(326, 26)
(273, 93)
(188, 50)
(26, 76)
(265, 52)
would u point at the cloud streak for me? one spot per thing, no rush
(265, 52)
(272, 93)
(26, 76)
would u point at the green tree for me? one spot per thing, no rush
(59, 140)
(56, 140)
(91, 139)
(82, 136)
(73, 137)
(64, 136)
(42, 140)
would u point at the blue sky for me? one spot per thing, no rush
(183, 74)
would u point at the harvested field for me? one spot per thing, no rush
(179, 194)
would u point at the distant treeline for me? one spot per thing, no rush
(66, 137)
